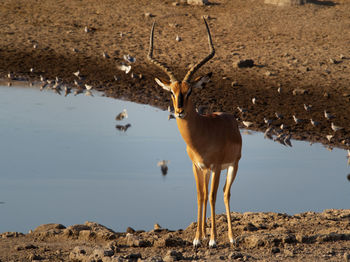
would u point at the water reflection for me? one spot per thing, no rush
(63, 160)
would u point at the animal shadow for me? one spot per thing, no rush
(317, 2)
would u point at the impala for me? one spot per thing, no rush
(213, 142)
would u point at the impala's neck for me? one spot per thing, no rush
(190, 126)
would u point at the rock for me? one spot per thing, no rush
(299, 91)
(34, 257)
(275, 250)
(30, 246)
(250, 227)
(285, 2)
(247, 63)
(173, 255)
(130, 230)
(134, 256)
(156, 259)
(288, 252)
(267, 73)
(234, 84)
(49, 228)
(235, 255)
(86, 234)
(100, 253)
(332, 237)
(11, 234)
(78, 254)
(149, 15)
(135, 241)
(170, 242)
(197, 2)
(305, 239)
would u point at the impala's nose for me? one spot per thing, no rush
(180, 113)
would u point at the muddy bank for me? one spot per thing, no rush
(302, 50)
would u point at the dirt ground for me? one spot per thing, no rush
(303, 50)
(258, 237)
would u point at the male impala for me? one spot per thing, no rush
(213, 143)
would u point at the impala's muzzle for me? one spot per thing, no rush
(180, 113)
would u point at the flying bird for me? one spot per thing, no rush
(129, 58)
(329, 137)
(88, 87)
(125, 68)
(123, 128)
(77, 73)
(247, 123)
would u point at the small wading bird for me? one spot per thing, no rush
(335, 128)
(328, 115)
(129, 58)
(307, 107)
(314, 123)
(213, 142)
(163, 166)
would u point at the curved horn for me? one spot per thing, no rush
(162, 66)
(194, 68)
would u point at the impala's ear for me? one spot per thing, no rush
(164, 84)
(200, 82)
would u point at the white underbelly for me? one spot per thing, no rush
(223, 166)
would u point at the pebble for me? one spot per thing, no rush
(299, 91)
(130, 230)
(267, 73)
(275, 250)
(197, 2)
(149, 15)
(234, 84)
(173, 255)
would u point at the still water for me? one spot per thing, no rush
(63, 161)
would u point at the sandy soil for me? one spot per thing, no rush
(304, 49)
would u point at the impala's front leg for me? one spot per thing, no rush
(200, 201)
(231, 175)
(212, 199)
(206, 174)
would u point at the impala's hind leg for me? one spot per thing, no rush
(231, 175)
(212, 200)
